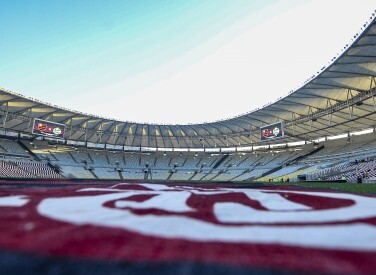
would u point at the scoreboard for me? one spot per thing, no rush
(272, 131)
(48, 128)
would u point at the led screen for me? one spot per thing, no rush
(272, 131)
(48, 128)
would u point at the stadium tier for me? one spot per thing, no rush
(346, 158)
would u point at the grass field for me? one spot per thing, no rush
(362, 188)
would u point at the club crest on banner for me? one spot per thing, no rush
(177, 212)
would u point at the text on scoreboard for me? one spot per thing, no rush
(48, 128)
(272, 131)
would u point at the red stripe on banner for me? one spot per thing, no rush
(318, 203)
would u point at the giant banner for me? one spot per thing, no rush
(170, 228)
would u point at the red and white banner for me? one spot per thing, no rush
(283, 229)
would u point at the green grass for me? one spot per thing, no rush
(362, 188)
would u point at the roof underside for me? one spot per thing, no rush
(338, 100)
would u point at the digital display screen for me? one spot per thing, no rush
(48, 128)
(272, 131)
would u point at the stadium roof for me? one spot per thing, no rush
(338, 99)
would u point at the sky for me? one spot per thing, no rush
(170, 61)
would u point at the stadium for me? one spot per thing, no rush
(286, 188)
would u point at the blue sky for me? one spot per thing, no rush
(167, 61)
